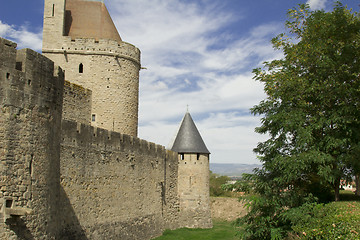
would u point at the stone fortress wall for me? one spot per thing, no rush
(109, 68)
(67, 175)
(76, 103)
(69, 180)
(115, 186)
(111, 72)
(30, 121)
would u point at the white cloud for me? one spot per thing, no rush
(317, 4)
(22, 36)
(191, 61)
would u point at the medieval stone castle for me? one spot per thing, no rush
(71, 165)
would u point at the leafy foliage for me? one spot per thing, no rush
(244, 185)
(216, 182)
(312, 116)
(337, 220)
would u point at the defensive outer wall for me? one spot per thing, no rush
(62, 179)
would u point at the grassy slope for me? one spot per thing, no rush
(342, 223)
(221, 230)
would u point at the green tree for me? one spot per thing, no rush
(311, 113)
(216, 182)
(244, 185)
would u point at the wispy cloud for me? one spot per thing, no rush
(192, 61)
(317, 4)
(192, 58)
(22, 36)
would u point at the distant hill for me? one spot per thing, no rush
(232, 169)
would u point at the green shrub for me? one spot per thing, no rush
(243, 185)
(336, 220)
(216, 181)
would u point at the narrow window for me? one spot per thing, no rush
(53, 10)
(18, 66)
(31, 167)
(198, 156)
(81, 68)
(8, 203)
(182, 156)
(7, 75)
(93, 118)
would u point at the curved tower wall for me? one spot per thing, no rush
(193, 188)
(109, 68)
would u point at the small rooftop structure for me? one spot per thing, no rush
(89, 19)
(188, 138)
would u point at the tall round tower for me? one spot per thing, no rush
(80, 36)
(193, 175)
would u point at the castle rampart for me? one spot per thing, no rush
(95, 184)
(31, 104)
(77, 103)
(71, 165)
(119, 187)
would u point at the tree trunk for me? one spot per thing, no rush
(337, 189)
(357, 183)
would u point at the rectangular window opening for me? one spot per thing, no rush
(182, 156)
(8, 203)
(53, 10)
(198, 156)
(18, 66)
(93, 117)
(81, 68)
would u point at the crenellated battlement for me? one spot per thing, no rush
(25, 60)
(29, 77)
(91, 46)
(85, 136)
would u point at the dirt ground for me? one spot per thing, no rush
(225, 208)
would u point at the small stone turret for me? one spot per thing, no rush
(193, 175)
(80, 37)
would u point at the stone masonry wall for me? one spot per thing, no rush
(115, 186)
(111, 72)
(193, 185)
(77, 103)
(31, 91)
(108, 68)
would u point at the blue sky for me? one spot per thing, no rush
(198, 53)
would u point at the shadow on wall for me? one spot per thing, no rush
(19, 227)
(71, 228)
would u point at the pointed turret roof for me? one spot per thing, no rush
(188, 138)
(89, 19)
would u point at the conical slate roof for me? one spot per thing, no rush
(188, 139)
